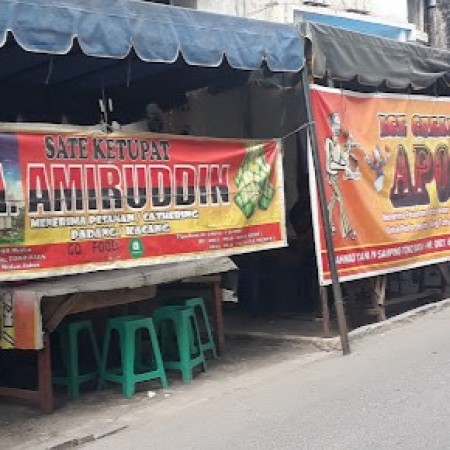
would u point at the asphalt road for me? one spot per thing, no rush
(392, 392)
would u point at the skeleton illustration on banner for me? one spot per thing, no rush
(340, 159)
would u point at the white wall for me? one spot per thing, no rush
(390, 9)
(281, 10)
(229, 7)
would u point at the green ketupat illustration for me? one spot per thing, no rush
(252, 180)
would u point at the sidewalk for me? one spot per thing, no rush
(285, 327)
(304, 329)
(97, 414)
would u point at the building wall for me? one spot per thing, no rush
(441, 17)
(416, 13)
(389, 9)
(434, 20)
(388, 12)
(281, 10)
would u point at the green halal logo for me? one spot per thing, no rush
(136, 248)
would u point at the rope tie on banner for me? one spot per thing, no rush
(128, 72)
(296, 130)
(344, 106)
(50, 70)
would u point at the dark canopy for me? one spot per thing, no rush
(345, 55)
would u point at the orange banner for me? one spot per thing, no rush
(386, 167)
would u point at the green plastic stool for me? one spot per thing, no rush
(184, 323)
(71, 377)
(130, 330)
(198, 304)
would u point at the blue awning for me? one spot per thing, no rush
(157, 33)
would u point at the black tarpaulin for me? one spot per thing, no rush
(344, 55)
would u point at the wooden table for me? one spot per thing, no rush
(54, 311)
(43, 396)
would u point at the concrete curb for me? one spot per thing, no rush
(86, 439)
(406, 317)
(333, 344)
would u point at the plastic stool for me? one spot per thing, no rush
(71, 377)
(130, 330)
(198, 304)
(184, 326)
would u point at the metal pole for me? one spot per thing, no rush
(338, 303)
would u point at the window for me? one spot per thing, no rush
(183, 3)
(316, 2)
(358, 6)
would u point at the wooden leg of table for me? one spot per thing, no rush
(382, 299)
(443, 268)
(45, 387)
(325, 312)
(219, 317)
(379, 297)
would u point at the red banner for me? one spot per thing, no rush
(386, 167)
(73, 203)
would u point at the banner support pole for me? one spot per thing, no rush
(337, 292)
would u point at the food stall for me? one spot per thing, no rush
(102, 209)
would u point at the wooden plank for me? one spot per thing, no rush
(49, 306)
(19, 394)
(443, 268)
(45, 387)
(217, 295)
(88, 301)
(379, 297)
(203, 279)
(61, 312)
(400, 300)
(44, 395)
(411, 298)
(130, 278)
(96, 300)
(325, 312)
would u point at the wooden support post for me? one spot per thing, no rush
(443, 268)
(217, 296)
(62, 311)
(379, 297)
(45, 388)
(325, 312)
(331, 254)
